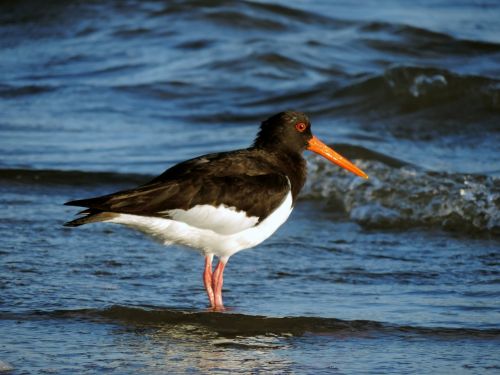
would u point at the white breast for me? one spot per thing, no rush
(221, 230)
(221, 219)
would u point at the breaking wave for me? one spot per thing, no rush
(402, 196)
(232, 324)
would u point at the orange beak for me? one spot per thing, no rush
(319, 147)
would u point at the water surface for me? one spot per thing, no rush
(395, 274)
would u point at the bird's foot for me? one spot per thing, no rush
(218, 309)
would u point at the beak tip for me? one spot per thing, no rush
(361, 174)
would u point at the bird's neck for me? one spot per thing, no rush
(292, 165)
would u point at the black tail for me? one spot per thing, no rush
(91, 202)
(91, 217)
(77, 222)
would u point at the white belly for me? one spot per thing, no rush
(223, 238)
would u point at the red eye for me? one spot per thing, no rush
(300, 126)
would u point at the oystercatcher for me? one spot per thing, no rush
(220, 203)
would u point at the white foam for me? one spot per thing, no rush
(408, 196)
(4, 366)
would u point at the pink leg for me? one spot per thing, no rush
(207, 280)
(217, 282)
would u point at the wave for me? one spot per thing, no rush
(13, 92)
(405, 196)
(247, 14)
(403, 90)
(412, 40)
(232, 324)
(266, 17)
(414, 88)
(71, 178)
(408, 102)
(414, 102)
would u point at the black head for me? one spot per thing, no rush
(290, 131)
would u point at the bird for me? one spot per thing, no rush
(220, 203)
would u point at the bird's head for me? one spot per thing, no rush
(291, 131)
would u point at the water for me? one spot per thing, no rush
(396, 274)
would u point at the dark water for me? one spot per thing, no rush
(396, 274)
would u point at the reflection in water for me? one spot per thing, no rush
(184, 348)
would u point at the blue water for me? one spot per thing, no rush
(395, 274)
